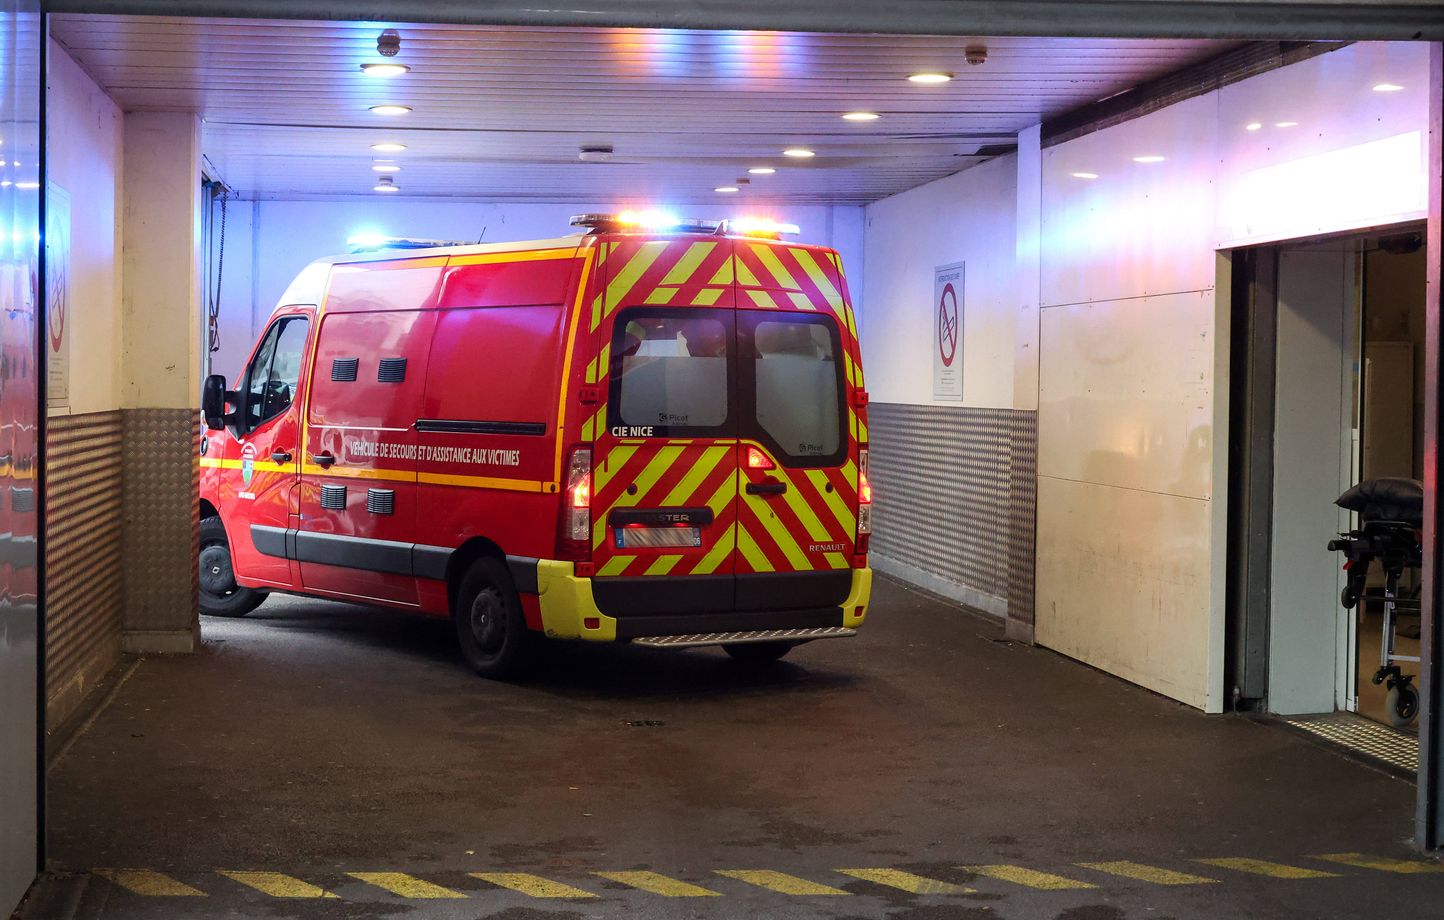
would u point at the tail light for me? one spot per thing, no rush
(864, 502)
(576, 525)
(757, 460)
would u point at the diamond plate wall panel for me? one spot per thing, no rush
(955, 496)
(161, 528)
(84, 584)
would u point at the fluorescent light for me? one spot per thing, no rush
(1149, 158)
(725, 189)
(1387, 87)
(798, 153)
(385, 184)
(930, 77)
(388, 147)
(1084, 175)
(384, 70)
(1286, 124)
(391, 109)
(386, 167)
(1253, 126)
(27, 185)
(762, 170)
(6, 183)
(860, 116)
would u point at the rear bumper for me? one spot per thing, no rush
(569, 608)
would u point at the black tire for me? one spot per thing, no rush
(220, 596)
(758, 652)
(490, 626)
(1403, 703)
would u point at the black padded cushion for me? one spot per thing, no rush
(1386, 500)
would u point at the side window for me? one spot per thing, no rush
(274, 372)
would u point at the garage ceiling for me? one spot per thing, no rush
(501, 112)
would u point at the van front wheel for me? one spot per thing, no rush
(490, 626)
(220, 596)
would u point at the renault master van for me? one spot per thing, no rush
(654, 434)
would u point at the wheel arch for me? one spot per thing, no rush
(208, 509)
(461, 560)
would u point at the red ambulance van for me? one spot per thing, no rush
(631, 434)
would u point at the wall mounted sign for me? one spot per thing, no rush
(57, 283)
(947, 322)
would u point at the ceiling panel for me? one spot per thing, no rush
(500, 113)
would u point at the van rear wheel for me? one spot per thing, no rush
(758, 652)
(220, 596)
(490, 626)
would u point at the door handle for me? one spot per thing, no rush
(766, 488)
(323, 459)
(281, 456)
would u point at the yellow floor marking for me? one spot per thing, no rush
(276, 884)
(657, 883)
(150, 883)
(1365, 861)
(532, 885)
(906, 881)
(1151, 874)
(1029, 878)
(1264, 867)
(406, 886)
(780, 882)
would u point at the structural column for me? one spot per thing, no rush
(1023, 443)
(160, 379)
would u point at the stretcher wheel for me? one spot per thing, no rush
(220, 596)
(1403, 703)
(490, 625)
(758, 652)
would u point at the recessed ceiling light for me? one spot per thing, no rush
(1253, 126)
(798, 153)
(385, 184)
(30, 184)
(1149, 158)
(930, 77)
(391, 109)
(726, 189)
(1387, 87)
(1286, 124)
(1084, 175)
(384, 70)
(388, 147)
(6, 183)
(860, 116)
(762, 170)
(386, 167)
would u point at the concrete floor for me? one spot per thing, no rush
(313, 740)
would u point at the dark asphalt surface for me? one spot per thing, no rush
(316, 739)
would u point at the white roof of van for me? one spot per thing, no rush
(309, 285)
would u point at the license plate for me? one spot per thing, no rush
(637, 537)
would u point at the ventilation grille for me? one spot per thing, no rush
(344, 368)
(392, 370)
(380, 501)
(22, 501)
(333, 497)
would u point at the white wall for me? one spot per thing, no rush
(84, 158)
(275, 240)
(966, 217)
(1131, 478)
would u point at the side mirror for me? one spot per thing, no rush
(213, 402)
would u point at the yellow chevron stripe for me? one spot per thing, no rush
(703, 468)
(653, 471)
(660, 295)
(596, 311)
(708, 296)
(768, 257)
(720, 552)
(612, 464)
(604, 361)
(662, 565)
(744, 274)
(784, 540)
(850, 367)
(751, 551)
(816, 529)
(845, 518)
(808, 261)
(836, 560)
(626, 279)
(687, 266)
(724, 274)
(849, 473)
(801, 301)
(615, 565)
(762, 298)
(276, 884)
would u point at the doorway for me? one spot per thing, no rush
(1328, 371)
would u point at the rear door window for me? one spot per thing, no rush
(791, 375)
(670, 374)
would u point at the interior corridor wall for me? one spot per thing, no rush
(269, 241)
(1132, 472)
(947, 508)
(83, 443)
